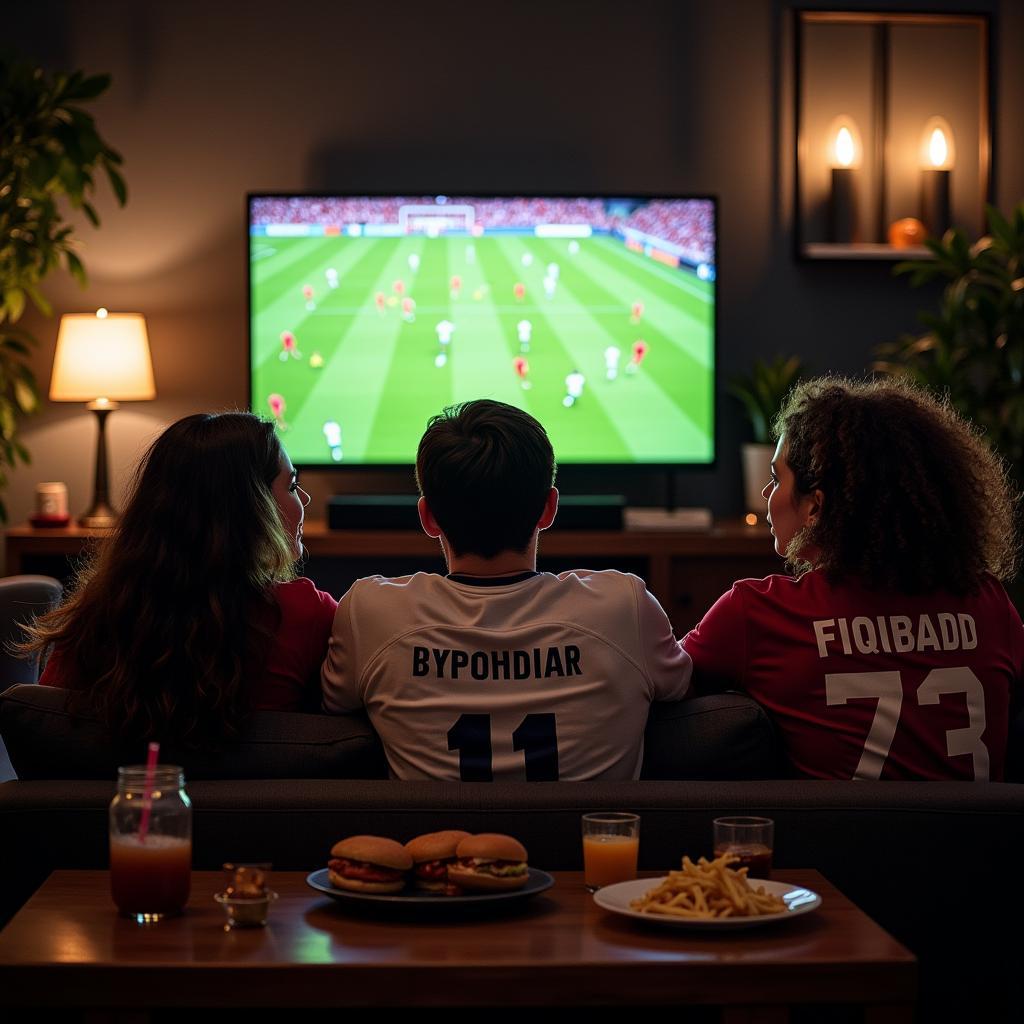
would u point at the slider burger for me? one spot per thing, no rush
(431, 855)
(368, 864)
(489, 861)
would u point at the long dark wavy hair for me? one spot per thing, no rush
(158, 630)
(914, 499)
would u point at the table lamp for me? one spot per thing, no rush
(102, 358)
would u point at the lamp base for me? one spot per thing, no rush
(99, 517)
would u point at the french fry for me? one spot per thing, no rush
(708, 889)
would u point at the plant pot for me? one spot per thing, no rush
(757, 462)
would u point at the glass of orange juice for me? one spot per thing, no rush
(611, 842)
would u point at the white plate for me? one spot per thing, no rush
(538, 881)
(617, 899)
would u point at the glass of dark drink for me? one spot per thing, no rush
(749, 839)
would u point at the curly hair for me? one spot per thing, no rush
(914, 499)
(159, 629)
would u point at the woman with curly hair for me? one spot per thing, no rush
(894, 651)
(189, 614)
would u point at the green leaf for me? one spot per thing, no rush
(88, 88)
(117, 184)
(39, 300)
(999, 226)
(76, 268)
(7, 422)
(14, 302)
(91, 214)
(25, 394)
(763, 391)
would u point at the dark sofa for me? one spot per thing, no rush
(932, 862)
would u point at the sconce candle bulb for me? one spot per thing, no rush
(844, 147)
(937, 148)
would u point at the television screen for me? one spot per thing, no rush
(369, 314)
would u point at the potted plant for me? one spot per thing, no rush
(50, 153)
(761, 392)
(973, 349)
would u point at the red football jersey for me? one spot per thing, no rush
(870, 684)
(288, 677)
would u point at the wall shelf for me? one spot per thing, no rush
(870, 91)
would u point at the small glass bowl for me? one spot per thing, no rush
(245, 912)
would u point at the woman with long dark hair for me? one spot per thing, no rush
(893, 652)
(189, 614)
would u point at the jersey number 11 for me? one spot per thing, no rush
(535, 736)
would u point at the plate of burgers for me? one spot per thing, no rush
(439, 868)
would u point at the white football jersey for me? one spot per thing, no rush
(538, 677)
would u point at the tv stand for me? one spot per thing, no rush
(687, 570)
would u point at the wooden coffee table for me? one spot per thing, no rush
(68, 948)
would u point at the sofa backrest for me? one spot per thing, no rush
(50, 734)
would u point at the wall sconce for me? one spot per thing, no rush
(937, 158)
(845, 154)
(869, 147)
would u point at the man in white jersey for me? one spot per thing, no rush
(496, 671)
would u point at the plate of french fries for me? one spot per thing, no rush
(708, 894)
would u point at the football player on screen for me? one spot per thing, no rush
(524, 329)
(445, 329)
(612, 355)
(289, 347)
(573, 388)
(639, 350)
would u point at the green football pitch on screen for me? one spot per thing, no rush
(357, 342)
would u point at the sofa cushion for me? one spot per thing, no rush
(47, 739)
(725, 736)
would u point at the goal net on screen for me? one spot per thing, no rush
(433, 220)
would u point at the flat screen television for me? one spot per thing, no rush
(596, 314)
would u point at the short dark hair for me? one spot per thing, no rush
(915, 500)
(486, 469)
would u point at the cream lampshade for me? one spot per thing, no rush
(102, 358)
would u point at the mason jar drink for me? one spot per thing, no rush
(150, 843)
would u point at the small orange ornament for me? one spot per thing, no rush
(907, 232)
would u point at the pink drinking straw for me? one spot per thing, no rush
(147, 790)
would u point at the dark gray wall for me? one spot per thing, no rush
(213, 99)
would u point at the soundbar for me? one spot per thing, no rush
(372, 512)
(398, 512)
